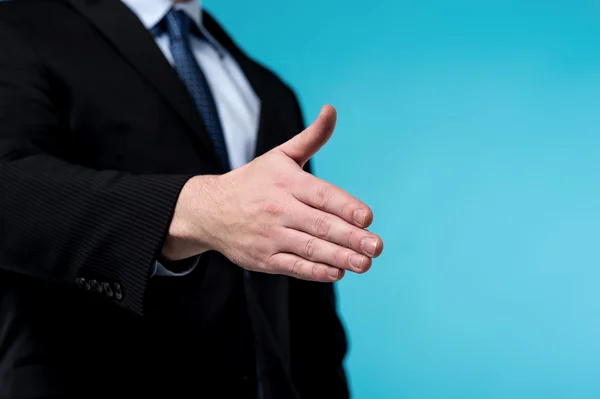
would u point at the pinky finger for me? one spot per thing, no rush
(300, 268)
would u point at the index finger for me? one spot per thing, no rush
(324, 196)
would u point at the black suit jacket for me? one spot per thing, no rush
(97, 138)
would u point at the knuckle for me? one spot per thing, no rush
(283, 181)
(272, 207)
(297, 268)
(309, 247)
(322, 226)
(345, 204)
(265, 231)
(350, 239)
(322, 196)
(338, 256)
(314, 271)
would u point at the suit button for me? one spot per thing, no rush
(108, 291)
(118, 291)
(81, 282)
(95, 286)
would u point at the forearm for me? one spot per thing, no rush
(62, 222)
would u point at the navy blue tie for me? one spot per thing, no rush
(179, 28)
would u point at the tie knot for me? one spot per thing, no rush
(178, 24)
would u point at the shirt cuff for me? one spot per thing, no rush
(183, 267)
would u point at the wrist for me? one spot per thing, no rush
(191, 231)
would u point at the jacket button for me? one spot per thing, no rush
(82, 283)
(95, 286)
(118, 291)
(107, 290)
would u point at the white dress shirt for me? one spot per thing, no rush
(237, 104)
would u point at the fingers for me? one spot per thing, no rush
(326, 197)
(320, 251)
(295, 266)
(306, 143)
(334, 229)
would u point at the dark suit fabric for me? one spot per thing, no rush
(97, 138)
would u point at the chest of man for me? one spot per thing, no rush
(123, 106)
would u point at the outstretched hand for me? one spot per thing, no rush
(273, 217)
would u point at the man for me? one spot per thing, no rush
(160, 231)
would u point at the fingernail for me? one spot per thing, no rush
(357, 261)
(360, 217)
(333, 272)
(369, 245)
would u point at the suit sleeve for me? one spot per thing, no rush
(61, 222)
(318, 338)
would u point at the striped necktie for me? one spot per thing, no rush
(179, 28)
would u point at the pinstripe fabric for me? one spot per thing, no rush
(88, 185)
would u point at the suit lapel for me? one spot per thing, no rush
(131, 39)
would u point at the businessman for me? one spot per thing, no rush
(161, 233)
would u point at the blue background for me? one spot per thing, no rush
(471, 128)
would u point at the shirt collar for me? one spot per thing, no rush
(151, 12)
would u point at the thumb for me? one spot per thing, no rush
(305, 144)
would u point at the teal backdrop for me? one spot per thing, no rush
(472, 129)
